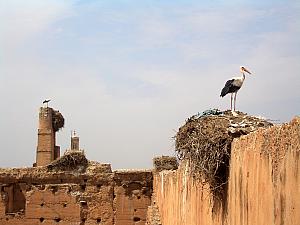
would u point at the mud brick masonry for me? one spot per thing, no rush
(98, 196)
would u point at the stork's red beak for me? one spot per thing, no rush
(246, 70)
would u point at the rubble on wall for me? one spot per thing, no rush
(153, 215)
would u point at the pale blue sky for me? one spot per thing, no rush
(126, 74)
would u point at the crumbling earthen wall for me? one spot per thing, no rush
(182, 200)
(98, 196)
(263, 186)
(132, 192)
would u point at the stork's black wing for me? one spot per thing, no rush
(229, 88)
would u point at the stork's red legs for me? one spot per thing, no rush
(231, 101)
(234, 101)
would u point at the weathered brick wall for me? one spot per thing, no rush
(263, 186)
(97, 196)
(133, 192)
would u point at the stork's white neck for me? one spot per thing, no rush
(243, 77)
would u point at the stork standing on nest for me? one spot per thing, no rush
(233, 85)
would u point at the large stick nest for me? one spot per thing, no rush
(71, 161)
(205, 141)
(58, 120)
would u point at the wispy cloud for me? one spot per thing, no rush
(22, 20)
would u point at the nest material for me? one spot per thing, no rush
(165, 163)
(205, 141)
(70, 161)
(58, 120)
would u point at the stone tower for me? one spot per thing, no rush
(50, 121)
(74, 142)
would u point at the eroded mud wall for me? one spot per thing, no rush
(264, 183)
(263, 187)
(132, 193)
(33, 196)
(183, 201)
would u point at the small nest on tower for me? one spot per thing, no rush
(205, 142)
(58, 120)
(70, 161)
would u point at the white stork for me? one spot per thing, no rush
(46, 101)
(233, 85)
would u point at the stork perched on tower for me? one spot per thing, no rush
(233, 85)
(46, 101)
